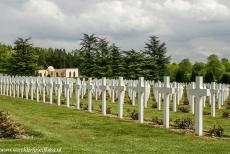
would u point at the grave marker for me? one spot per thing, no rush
(78, 91)
(89, 87)
(103, 88)
(121, 94)
(166, 90)
(213, 92)
(199, 92)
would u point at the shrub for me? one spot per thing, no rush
(171, 106)
(217, 131)
(183, 123)
(8, 127)
(85, 107)
(81, 105)
(55, 100)
(184, 108)
(228, 101)
(228, 107)
(225, 114)
(154, 105)
(134, 115)
(206, 113)
(207, 102)
(47, 98)
(4, 116)
(157, 121)
(128, 110)
(126, 101)
(100, 106)
(109, 110)
(185, 101)
(63, 101)
(40, 97)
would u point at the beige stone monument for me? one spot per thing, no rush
(65, 72)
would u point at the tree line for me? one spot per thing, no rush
(97, 57)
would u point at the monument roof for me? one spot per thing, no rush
(50, 68)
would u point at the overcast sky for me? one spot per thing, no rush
(191, 28)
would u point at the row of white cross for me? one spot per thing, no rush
(29, 86)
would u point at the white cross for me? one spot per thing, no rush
(213, 92)
(89, 87)
(96, 90)
(166, 90)
(37, 89)
(121, 94)
(58, 85)
(10, 84)
(77, 91)
(132, 90)
(14, 86)
(146, 94)
(50, 86)
(7, 86)
(22, 88)
(112, 87)
(199, 92)
(83, 88)
(31, 89)
(192, 98)
(67, 88)
(43, 85)
(174, 97)
(159, 95)
(140, 90)
(27, 87)
(103, 88)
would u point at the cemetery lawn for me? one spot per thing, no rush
(82, 132)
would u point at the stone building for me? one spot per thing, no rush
(65, 72)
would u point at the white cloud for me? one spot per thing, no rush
(211, 10)
(43, 8)
(177, 5)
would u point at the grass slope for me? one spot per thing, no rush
(83, 132)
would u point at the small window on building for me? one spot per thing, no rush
(70, 74)
(57, 74)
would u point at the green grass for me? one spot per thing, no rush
(82, 132)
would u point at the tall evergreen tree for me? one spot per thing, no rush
(42, 55)
(87, 54)
(103, 59)
(156, 51)
(23, 60)
(117, 62)
(134, 64)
